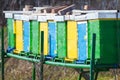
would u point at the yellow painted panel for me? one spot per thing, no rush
(72, 52)
(19, 35)
(44, 27)
(71, 30)
(72, 49)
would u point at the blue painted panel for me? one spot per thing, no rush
(52, 39)
(82, 41)
(26, 36)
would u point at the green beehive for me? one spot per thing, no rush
(34, 37)
(104, 25)
(61, 39)
(11, 38)
(118, 32)
(11, 31)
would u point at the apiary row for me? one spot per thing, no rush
(66, 37)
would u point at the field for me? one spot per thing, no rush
(22, 70)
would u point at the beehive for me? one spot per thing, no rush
(19, 36)
(62, 39)
(82, 41)
(35, 37)
(52, 38)
(44, 27)
(26, 34)
(72, 51)
(105, 27)
(11, 33)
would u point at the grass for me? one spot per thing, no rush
(22, 70)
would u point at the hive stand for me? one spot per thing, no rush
(2, 52)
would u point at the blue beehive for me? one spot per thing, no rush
(52, 39)
(82, 42)
(26, 36)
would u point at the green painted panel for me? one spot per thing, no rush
(11, 40)
(93, 27)
(108, 32)
(34, 37)
(97, 51)
(118, 37)
(106, 40)
(61, 39)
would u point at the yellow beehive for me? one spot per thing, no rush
(72, 40)
(19, 36)
(44, 27)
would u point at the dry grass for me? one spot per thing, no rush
(22, 70)
(17, 70)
